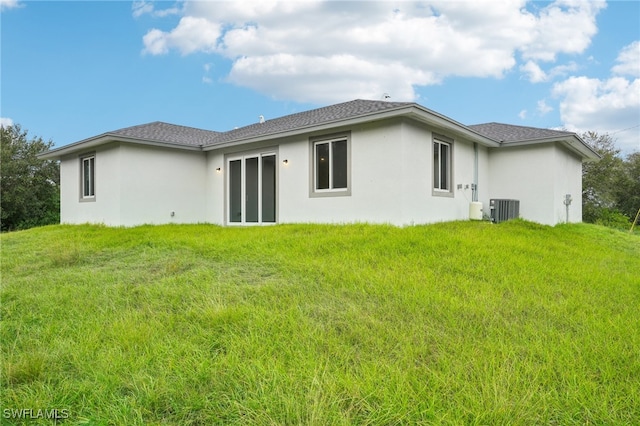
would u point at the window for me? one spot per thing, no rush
(331, 166)
(87, 177)
(441, 166)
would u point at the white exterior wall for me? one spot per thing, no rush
(568, 180)
(106, 206)
(420, 203)
(136, 185)
(391, 179)
(215, 188)
(156, 182)
(539, 176)
(391, 169)
(376, 170)
(484, 181)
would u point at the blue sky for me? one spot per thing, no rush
(72, 70)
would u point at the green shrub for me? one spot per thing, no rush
(613, 219)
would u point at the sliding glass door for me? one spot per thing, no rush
(252, 189)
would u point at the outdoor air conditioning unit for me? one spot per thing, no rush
(502, 210)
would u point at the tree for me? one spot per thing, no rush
(611, 186)
(29, 187)
(600, 178)
(628, 190)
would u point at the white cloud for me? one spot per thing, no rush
(605, 106)
(146, 7)
(192, 34)
(141, 7)
(523, 114)
(628, 61)
(533, 72)
(5, 122)
(206, 78)
(563, 70)
(543, 108)
(346, 76)
(564, 26)
(9, 4)
(329, 51)
(155, 42)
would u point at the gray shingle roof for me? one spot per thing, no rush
(509, 133)
(182, 135)
(314, 117)
(165, 133)
(170, 133)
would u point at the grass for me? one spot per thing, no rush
(454, 323)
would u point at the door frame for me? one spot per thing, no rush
(243, 156)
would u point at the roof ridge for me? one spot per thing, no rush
(187, 127)
(332, 106)
(165, 123)
(160, 131)
(304, 119)
(130, 127)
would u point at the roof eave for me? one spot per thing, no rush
(105, 138)
(571, 141)
(438, 120)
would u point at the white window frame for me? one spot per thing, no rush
(438, 189)
(88, 194)
(331, 191)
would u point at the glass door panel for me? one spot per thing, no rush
(235, 191)
(268, 188)
(251, 189)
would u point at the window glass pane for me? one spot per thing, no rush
(88, 177)
(85, 177)
(92, 179)
(339, 164)
(235, 191)
(444, 168)
(269, 188)
(322, 166)
(436, 165)
(251, 189)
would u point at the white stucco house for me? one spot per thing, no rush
(359, 161)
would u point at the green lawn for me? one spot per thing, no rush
(453, 323)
